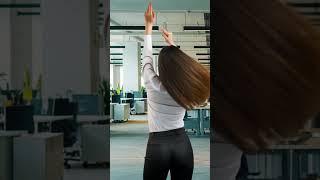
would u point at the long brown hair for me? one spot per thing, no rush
(186, 80)
(268, 72)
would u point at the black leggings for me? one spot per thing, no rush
(168, 150)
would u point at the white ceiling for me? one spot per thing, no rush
(175, 19)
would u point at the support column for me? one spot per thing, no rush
(21, 46)
(67, 46)
(116, 76)
(132, 66)
(5, 44)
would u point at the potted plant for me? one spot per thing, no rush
(27, 89)
(103, 91)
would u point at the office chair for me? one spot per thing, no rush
(191, 123)
(131, 102)
(115, 99)
(243, 172)
(68, 127)
(144, 94)
(20, 118)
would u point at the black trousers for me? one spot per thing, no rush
(168, 150)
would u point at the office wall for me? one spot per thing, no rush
(5, 42)
(21, 46)
(66, 53)
(104, 64)
(37, 47)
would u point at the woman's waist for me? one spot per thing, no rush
(171, 132)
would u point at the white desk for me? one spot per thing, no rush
(124, 99)
(81, 119)
(140, 99)
(47, 119)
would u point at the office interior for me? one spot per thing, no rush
(54, 113)
(189, 21)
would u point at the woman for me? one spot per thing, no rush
(267, 84)
(182, 84)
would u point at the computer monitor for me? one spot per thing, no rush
(89, 104)
(137, 94)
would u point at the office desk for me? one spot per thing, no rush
(6, 153)
(89, 119)
(201, 114)
(140, 99)
(125, 99)
(47, 119)
(81, 119)
(291, 158)
(38, 157)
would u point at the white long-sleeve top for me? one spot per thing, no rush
(164, 113)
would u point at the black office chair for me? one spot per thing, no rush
(68, 127)
(243, 172)
(20, 118)
(144, 94)
(115, 99)
(131, 101)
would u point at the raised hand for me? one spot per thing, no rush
(167, 37)
(149, 19)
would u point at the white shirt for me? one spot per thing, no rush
(164, 113)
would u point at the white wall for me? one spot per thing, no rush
(5, 42)
(66, 45)
(21, 46)
(132, 66)
(104, 64)
(37, 65)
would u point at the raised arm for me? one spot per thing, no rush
(151, 79)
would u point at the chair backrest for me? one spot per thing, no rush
(62, 106)
(89, 104)
(131, 101)
(116, 99)
(68, 127)
(144, 94)
(129, 95)
(20, 118)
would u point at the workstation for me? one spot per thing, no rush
(189, 22)
(54, 109)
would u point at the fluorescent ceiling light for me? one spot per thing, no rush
(201, 47)
(202, 54)
(132, 28)
(196, 28)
